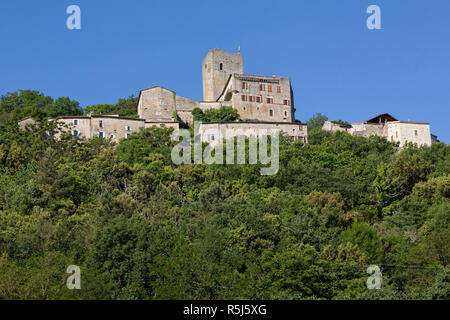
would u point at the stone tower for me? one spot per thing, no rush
(217, 67)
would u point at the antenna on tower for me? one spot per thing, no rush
(239, 49)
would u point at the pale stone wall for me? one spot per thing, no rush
(83, 127)
(250, 86)
(367, 129)
(185, 104)
(404, 132)
(112, 127)
(214, 79)
(186, 117)
(115, 128)
(213, 133)
(394, 131)
(332, 126)
(213, 105)
(174, 125)
(156, 103)
(23, 123)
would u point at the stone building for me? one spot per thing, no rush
(214, 132)
(261, 101)
(113, 127)
(387, 126)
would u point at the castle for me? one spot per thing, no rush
(264, 104)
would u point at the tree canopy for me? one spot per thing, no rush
(140, 227)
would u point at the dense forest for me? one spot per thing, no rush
(140, 227)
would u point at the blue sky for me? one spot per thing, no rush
(337, 66)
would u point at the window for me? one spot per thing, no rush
(262, 87)
(269, 88)
(244, 98)
(101, 134)
(396, 134)
(287, 102)
(271, 113)
(221, 66)
(416, 133)
(278, 89)
(127, 135)
(75, 122)
(210, 137)
(100, 124)
(76, 133)
(269, 100)
(244, 85)
(285, 114)
(244, 108)
(259, 99)
(251, 98)
(127, 128)
(113, 136)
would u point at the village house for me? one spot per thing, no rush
(385, 125)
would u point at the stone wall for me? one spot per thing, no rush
(261, 98)
(404, 132)
(156, 103)
(333, 126)
(217, 67)
(112, 127)
(215, 132)
(367, 129)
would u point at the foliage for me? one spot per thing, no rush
(317, 121)
(141, 227)
(223, 114)
(125, 107)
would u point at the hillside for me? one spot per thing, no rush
(140, 227)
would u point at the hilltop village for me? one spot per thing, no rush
(264, 104)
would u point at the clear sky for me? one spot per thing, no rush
(337, 66)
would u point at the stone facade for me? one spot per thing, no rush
(258, 99)
(217, 67)
(262, 102)
(103, 126)
(390, 128)
(215, 132)
(335, 126)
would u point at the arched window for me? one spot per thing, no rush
(221, 66)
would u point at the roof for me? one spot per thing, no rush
(140, 92)
(25, 119)
(341, 124)
(259, 76)
(98, 116)
(256, 122)
(385, 117)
